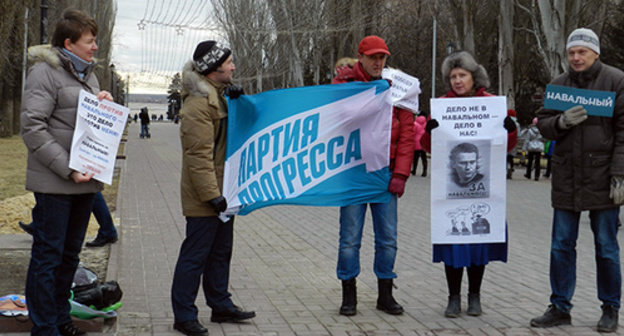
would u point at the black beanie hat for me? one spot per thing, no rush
(208, 56)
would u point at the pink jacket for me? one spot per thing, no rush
(419, 130)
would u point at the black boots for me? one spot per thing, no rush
(474, 304)
(609, 319)
(453, 308)
(551, 318)
(349, 297)
(385, 301)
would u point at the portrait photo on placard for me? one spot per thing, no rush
(468, 168)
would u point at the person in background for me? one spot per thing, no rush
(464, 77)
(145, 120)
(372, 55)
(107, 234)
(549, 146)
(533, 145)
(63, 196)
(512, 153)
(344, 70)
(419, 153)
(587, 174)
(206, 251)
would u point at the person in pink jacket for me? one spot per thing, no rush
(419, 130)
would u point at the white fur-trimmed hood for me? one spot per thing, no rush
(44, 53)
(54, 57)
(193, 83)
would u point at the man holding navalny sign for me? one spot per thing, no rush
(587, 174)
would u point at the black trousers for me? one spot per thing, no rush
(204, 259)
(422, 155)
(454, 278)
(534, 159)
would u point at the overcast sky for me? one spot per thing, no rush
(152, 55)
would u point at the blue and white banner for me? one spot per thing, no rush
(324, 145)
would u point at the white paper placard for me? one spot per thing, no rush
(99, 127)
(468, 159)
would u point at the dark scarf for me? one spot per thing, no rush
(583, 78)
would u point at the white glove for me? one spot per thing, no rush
(572, 117)
(617, 189)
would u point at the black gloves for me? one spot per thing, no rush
(431, 124)
(234, 91)
(509, 124)
(219, 204)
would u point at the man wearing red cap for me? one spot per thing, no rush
(372, 56)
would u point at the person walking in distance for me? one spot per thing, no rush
(145, 120)
(533, 145)
(419, 153)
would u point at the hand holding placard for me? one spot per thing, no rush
(572, 117)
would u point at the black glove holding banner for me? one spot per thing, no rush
(234, 91)
(219, 204)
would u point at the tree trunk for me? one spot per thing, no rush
(6, 112)
(553, 14)
(468, 40)
(506, 52)
(297, 68)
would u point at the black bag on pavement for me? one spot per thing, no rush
(100, 296)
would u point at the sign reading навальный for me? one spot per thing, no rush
(597, 103)
(99, 127)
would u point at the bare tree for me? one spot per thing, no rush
(550, 22)
(12, 31)
(506, 52)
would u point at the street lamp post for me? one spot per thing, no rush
(112, 79)
(450, 47)
(44, 22)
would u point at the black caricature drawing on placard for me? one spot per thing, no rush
(468, 164)
(469, 220)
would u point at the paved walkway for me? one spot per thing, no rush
(284, 262)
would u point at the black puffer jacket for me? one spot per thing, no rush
(587, 155)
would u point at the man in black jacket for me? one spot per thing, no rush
(145, 120)
(587, 174)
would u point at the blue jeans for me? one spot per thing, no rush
(563, 256)
(103, 217)
(385, 228)
(204, 256)
(60, 223)
(144, 130)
